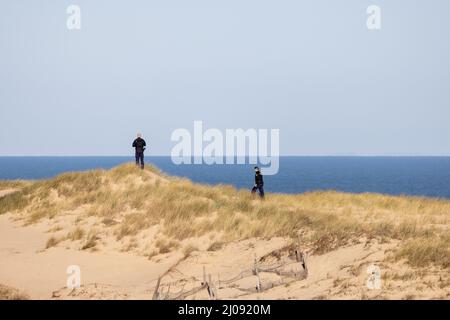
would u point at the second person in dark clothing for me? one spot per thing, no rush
(139, 145)
(259, 183)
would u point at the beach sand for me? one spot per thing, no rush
(128, 268)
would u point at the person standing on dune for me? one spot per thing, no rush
(259, 183)
(139, 145)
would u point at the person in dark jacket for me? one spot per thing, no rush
(259, 183)
(139, 145)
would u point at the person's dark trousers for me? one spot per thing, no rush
(140, 158)
(260, 189)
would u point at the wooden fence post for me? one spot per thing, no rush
(204, 275)
(258, 280)
(305, 263)
(211, 288)
(167, 293)
(156, 292)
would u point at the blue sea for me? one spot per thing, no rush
(419, 176)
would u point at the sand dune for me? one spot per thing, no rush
(125, 228)
(26, 265)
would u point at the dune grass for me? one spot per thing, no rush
(8, 293)
(165, 245)
(53, 241)
(422, 252)
(12, 184)
(91, 240)
(76, 234)
(132, 200)
(189, 249)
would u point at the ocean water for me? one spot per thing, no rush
(420, 176)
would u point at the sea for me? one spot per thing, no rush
(404, 175)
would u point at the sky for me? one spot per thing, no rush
(310, 68)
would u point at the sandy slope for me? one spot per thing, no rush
(128, 266)
(25, 265)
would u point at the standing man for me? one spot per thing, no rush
(139, 145)
(259, 183)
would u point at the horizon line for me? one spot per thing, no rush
(286, 155)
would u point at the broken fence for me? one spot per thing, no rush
(164, 291)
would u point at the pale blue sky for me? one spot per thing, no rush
(310, 68)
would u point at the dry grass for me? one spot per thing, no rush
(91, 241)
(188, 249)
(130, 245)
(8, 293)
(215, 246)
(165, 245)
(53, 241)
(13, 184)
(422, 252)
(76, 234)
(152, 254)
(55, 228)
(130, 200)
